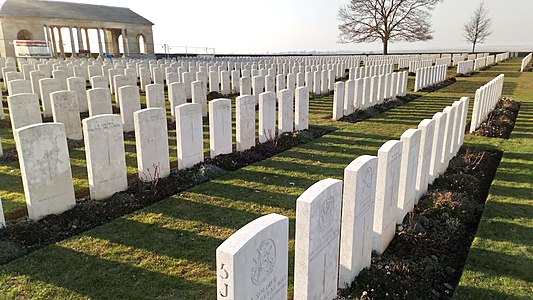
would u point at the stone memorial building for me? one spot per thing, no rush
(51, 20)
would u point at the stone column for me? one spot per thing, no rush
(61, 47)
(80, 40)
(106, 41)
(54, 44)
(49, 38)
(72, 41)
(87, 38)
(125, 42)
(100, 51)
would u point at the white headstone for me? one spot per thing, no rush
(357, 218)
(131, 104)
(20, 86)
(220, 127)
(285, 111)
(438, 144)
(427, 127)
(267, 116)
(189, 135)
(104, 151)
(301, 109)
(245, 122)
(151, 140)
(245, 86)
(338, 100)
(2, 218)
(408, 173)
(99, 100)
(388, 176)
(318, 212)
(176, 95)
(23, 110)
(199, 95)
(253, 262)
(66, 110)
(45, 169)
(155, 96)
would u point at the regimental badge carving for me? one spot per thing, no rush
(264, 261)
(326, 212)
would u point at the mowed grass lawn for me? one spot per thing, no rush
(167, 250)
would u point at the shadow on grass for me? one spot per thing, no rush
(97, 278)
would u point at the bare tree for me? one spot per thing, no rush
(478, 28)
(364, 21)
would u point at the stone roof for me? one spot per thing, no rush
(71, 11)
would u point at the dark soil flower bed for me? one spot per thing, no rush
(501, 120)
(23, 236)
(426, 258)
(361, 115)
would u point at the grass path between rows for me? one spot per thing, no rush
(167, 250)
(500, 262)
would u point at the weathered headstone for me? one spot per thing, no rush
(253, 262)
(66, 110)
(267, 116)
(189, 135)
(318, 212)
(155, 96)
(199, 95)
(105, 155)
(220, 127)
(99, 100)
(79, 86)
(151, 140)
(48, 86)
(19, 86)
(357, 218)
(388, 176)
(23, 110)
(45, 169)
(176, 95)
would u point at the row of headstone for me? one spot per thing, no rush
(501, 57)
(486, 99)
(480, 63)
(526, 61)
(366, 92)
(430, 76)
(104, 142)
(444, 61)
(339, 223)
(415, 65)
(465, 67)
(369, 71)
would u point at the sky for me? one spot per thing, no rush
(273, 26)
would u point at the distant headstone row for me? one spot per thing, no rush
(415, 65)
(339, 223)
(487, 98)
(430, 76)
(366, 92)
(525, 62)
